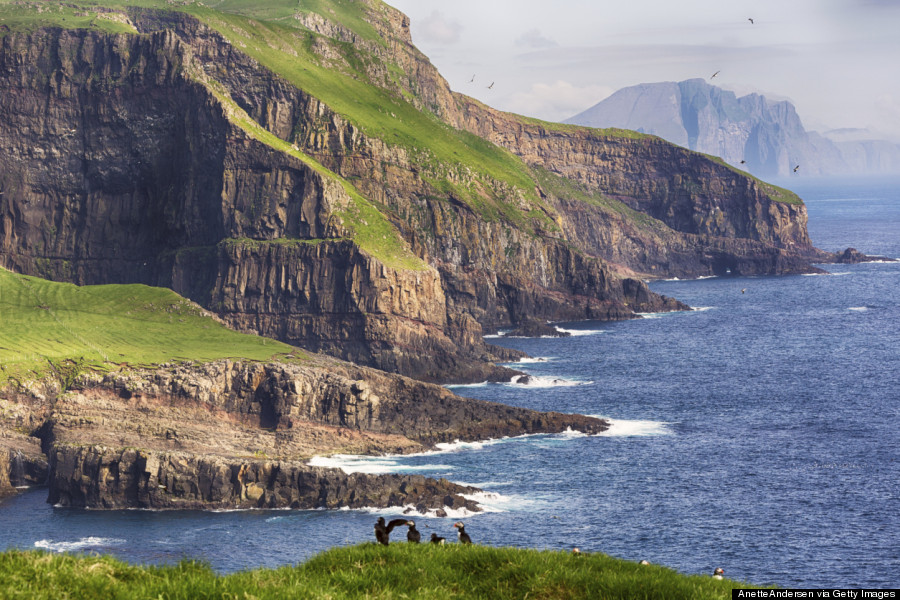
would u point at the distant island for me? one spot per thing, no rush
(763, 136)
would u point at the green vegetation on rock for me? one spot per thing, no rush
(400, 570)
(54, 328)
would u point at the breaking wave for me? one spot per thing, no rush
(372, 465)
(634, 427)
(579, 332)
(544, 381)
(86, 542)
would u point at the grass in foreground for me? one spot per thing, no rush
(364, 571)
(52, 327)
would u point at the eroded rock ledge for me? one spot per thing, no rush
(238, 435)
(99, 477)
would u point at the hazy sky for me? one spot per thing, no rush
(838, 61)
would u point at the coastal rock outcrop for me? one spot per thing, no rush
(238, 435)
(98, 477)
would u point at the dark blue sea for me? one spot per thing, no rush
(757, 433)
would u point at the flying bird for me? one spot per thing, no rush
(796, 168)
(714, 74)
(750, 19)
(473, 79)
(743, 162)
(490, 87)
(383, 532)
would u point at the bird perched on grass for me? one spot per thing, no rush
(437, 540)
(413, 536)
(718, 573)
(383, 532)
(461, 533)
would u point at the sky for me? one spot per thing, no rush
(837, 61)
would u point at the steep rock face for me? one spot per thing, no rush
(22, 461)
(98, 477)
(715, 218)
(119, 165)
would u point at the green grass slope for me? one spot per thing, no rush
(364, 571)
(48, 327)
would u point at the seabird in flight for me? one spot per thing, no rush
(383, 532)
(714, 74)
(750, 19)
(490, 87)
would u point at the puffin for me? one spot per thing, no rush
(413, 536)
(461, 532)
(383, 532)
(437, 540)
(717, 574)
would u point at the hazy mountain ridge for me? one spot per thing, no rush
(767, 135)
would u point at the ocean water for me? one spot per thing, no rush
(757, 433)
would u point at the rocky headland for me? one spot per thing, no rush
(239, 435)
(319, 183)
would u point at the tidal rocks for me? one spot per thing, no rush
(852, 256)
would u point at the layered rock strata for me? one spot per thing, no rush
(97, 477)
(120, 165)
(238, 435)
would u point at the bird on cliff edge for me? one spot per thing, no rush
(383, 532)
(461, 533)
(413, 536)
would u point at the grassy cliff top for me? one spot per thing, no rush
(51, 327)
(365, 571)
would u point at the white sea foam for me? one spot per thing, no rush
(859, 308)
(655, 315)
(86, 542)
(372, 465)
(634, 427)
(458, 446)
(409, 510)
(453, 386)
(529, 359)
(544, 381)
(702, 308)
(580, 332)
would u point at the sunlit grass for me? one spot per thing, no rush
(365, 571)
(47, 326)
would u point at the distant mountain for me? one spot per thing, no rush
(767, 135)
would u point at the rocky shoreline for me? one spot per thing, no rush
(239, 435)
